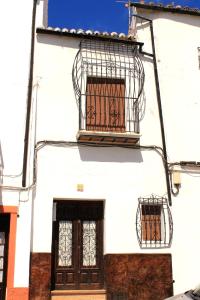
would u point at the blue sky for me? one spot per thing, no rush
(102, 15)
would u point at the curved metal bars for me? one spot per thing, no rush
(114, 62)
(109, 60)
(154, 224)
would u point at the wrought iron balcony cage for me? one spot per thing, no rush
(154, 223)
(108, 79)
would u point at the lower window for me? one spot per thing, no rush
(154, 222)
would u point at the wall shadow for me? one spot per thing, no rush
(110, 154)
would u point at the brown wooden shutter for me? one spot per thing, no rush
(105, 104)
(151, 223)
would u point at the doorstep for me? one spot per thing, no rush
(78, 294)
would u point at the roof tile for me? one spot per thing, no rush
(168, 7)
(95, 33)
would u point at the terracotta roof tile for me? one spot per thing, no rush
(86, 33)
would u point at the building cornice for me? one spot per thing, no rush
(178, 9)
(89, 34)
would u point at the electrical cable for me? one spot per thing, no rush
(43, 143)
(174, 193)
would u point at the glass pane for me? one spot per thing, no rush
(2, 238)
(89, 243)
(65, 244)
(1, 263)
(1, 250)
(1, 276)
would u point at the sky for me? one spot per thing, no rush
(101, 15)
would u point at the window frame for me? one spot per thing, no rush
(105, 104)
(154, 226)
(151, 222)
(108, 59)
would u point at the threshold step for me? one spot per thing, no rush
(78, 294)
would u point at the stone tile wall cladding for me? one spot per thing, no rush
(127, 276)
(138, 276)
(40, 277)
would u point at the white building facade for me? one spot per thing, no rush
(178, 68)
(17, 24)
(113, 175)
(105, 185)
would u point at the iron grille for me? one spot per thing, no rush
(108, 79)
(154, 224)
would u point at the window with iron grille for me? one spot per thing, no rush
(108, 79)
(154, 223)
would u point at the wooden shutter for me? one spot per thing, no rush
(151, 223)
(105, 104)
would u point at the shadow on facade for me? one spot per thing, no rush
(110, 154)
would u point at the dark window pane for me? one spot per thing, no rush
(151, 209)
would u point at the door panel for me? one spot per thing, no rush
(78, 245)
(65, 263)
(88, 236)
(4, 233)
(65, 244)
(91, 254)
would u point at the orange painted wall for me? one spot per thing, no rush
(17, 294)
(13, 293)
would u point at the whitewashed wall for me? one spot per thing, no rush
(118, 176)
(15, 21)
(15, 24)
(177, 38)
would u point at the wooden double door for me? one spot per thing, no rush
(4, 234)
(78, 245)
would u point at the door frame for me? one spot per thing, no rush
(12, 210)
(53, 250)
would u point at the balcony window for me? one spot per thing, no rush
(108, 81)
(105, 104)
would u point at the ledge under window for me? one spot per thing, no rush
(108, 80)
(115, 138)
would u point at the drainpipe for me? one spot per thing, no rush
(153, 55)
(29, 97)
